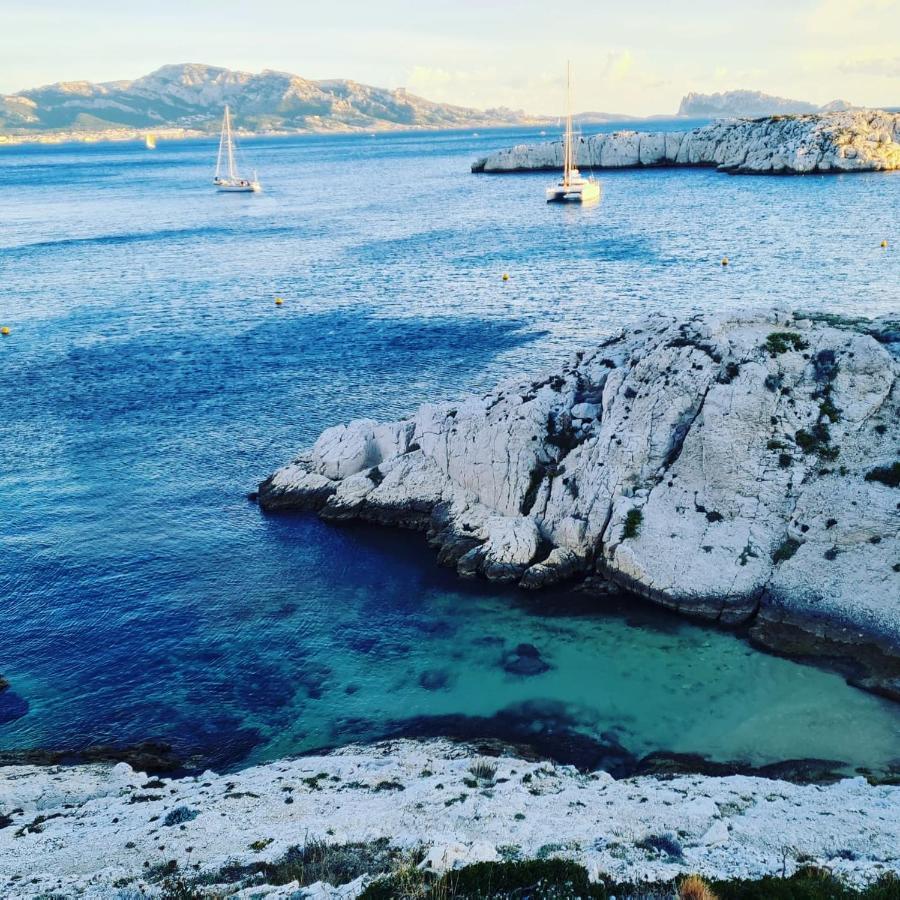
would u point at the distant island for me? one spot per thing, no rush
(186, 100)
(749, 104)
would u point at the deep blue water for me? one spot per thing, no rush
(150, 381)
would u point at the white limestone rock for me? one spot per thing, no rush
(94, 840)
(715, 465)
(842, 141)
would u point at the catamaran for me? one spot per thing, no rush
(227, 176)
(573, 188)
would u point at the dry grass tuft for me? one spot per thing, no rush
(695, 888)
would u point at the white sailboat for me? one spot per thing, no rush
(573, 188)
(227, 176)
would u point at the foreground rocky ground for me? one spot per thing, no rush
(738, 468)
(847, 141)
(108, 831)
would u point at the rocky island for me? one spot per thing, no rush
(833, 142)
(742, 469)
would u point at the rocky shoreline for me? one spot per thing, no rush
(823, 143)
(109, 831)
(736, 468)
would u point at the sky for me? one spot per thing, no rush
(636, 58)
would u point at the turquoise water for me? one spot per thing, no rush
(149, 382)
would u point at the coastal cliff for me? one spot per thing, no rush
(846, 141)
(737, 468)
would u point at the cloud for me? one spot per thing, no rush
(842, 17)
(883, 66)
(621, 65)
(449, 85)
(487, 86)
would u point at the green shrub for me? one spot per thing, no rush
(827, 410)
(633, 524)
(550, 878)
(388, 786)
(484, 770)
(180, 890)
(817, 440)
(665, 844)
(782, 341)
(180, 815)
(807, 884)
(889, 475)
(314, 861)
(787, 549)
(560, 879)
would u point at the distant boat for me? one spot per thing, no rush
(573, 188)
(150, 141)
(231, 180)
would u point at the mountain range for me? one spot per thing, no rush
(749, 104)
(191, 96)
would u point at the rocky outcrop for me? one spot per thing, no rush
(737, 468)
(109, 831)
(846, 141)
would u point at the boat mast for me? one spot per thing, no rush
(229, 144)
(568, 161)
(221, 145)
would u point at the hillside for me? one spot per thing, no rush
(191, 96)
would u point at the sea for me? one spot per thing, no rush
(149, 382)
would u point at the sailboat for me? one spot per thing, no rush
(150, 140)
(227, 176)
(573, 188)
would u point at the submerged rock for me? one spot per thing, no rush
(860, 140)
(153, 757)
(731, 470)
(12, 706)
(525, 660)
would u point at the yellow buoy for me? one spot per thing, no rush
(884, 243)
(506, 276)
(4, 330)
(278, 301)
(724, 260)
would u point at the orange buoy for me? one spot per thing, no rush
(884, 243)
(278, 301)
(4, 329)
(724, 260)
(506, 276)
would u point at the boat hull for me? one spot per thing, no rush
(251, 187)
(585, 192)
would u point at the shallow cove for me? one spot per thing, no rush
(149, 382)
